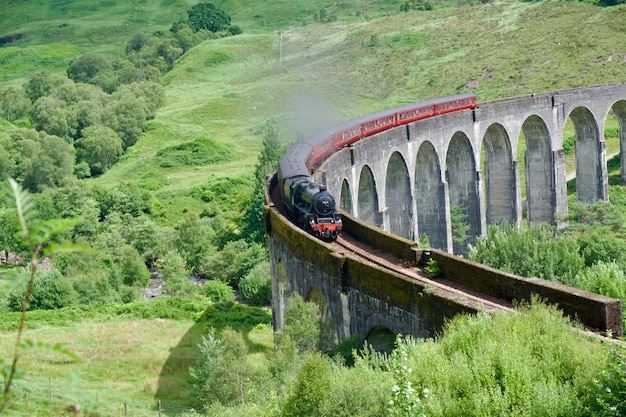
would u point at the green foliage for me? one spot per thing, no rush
(49, 291)
(601, 244)
(272, 151)
(537, 251)
(218, 291)
(311, 389)
(208, 16)
(256, 285)
(422, 5)
(405, 401)
(239, 317)
(123, 198)
(34, 233)
(529, 363)
(172, 270)
(606, 278)
(199, 152)
(193, 242)
(132, 267)
(100, 147)
(302, 324)
(601, 213)
(432, 268)
(459, 224)
(126, 117)
(14, 103)
(222, 372)
(611, 385)
(235, 260)
(568, 145)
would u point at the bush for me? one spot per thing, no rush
(530, 363)
(256, 286)
(238, 317)
(50, 291)
(606, 278)
(199, 152)
(302, 324)
(311, 389)
(218, 291)
(611, 386)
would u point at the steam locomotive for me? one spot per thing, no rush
(307, 201)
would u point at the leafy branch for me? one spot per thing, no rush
(36, 235)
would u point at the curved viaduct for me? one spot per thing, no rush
(406, 181)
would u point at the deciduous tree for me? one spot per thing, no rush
(100, 147)
(208, 16)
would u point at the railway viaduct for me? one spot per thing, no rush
(403, 183)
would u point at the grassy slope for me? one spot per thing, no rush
(367, 60)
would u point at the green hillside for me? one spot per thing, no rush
(366, 60)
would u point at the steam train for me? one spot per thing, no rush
(307, 201)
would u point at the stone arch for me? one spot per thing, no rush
(430, 197)
(345, 200)
(499, 176)
(398, 196)
(367, 199)
(539, 163)
(588, 151)
(381, 338)
(463, 187)
(619, 109)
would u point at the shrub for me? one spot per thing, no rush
(302, 324)
(311, 389)
(218, 291)
(199, 152)
(611, 386)
(239, 317)
(606, 278)
(50, 291)
(256, 286)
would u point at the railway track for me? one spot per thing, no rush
(348, 246)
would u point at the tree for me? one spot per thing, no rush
(133, 267)
(41, 84)
(53, 162)
(303, 324)
(152, 94)
(92, 69)
(14, 103)
(7, 161)
(100, 147)
(53, 116)
(193, 241)
(127, 117)
(272, 151)
(235, 260)
(256, 285)
(50, 291)
(222, 371)
(209, 17)
(311, 389)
